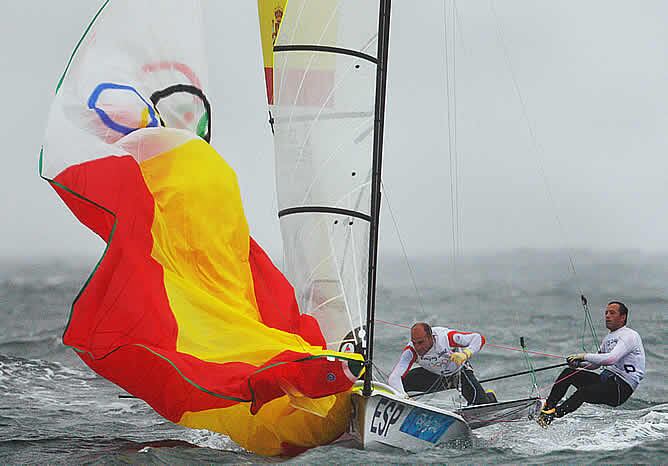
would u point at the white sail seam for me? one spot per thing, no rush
(299, 157)
(336, 152)
(356, 280)
(343, 288)
(292, 39)
(324, 303)
(310, 63)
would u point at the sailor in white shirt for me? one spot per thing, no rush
(623, 356)
(442, 354)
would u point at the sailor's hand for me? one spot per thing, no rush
(460, 358)
(575, 360)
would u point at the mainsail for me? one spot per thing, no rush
(184, 310)
(324, 92)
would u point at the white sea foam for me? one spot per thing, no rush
(205, 438)
(591, 428)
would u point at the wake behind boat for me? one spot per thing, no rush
(484, 415)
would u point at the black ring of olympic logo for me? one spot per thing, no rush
(188, 89)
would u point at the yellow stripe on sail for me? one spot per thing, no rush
(270, 13)
(207, 275)
(266, 432)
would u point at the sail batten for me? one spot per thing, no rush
(324, 48)
(323, 210)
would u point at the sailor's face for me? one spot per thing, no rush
(614, 319)
(421, 341)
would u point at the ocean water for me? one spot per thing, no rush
(56, 410)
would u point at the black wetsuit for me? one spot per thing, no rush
(420, 379)
(605, 388)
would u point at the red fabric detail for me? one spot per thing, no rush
(413, 359)
(452, 343)
(276, 301)
(269, 81)
(290, 450)
(313, 88)
(123, 318)
(125, 300)
(153, 379)
(324, 378)
(451, 338)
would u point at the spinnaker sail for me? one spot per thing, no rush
(184, 309)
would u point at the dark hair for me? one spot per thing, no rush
(425, 327)
(623, 310)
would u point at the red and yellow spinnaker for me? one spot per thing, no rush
(184, 310)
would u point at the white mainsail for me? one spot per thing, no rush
(324, 95)
(328, 93)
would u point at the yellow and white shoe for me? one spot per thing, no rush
(546, 417)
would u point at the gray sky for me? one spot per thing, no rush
(593, 76)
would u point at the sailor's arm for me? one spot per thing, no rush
(620, 350)
(470, 342)
(596, 360)
(401, 368)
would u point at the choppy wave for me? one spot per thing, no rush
(56, 410)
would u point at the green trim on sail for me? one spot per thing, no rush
(76, 47)
(111, 234)
(97, 265)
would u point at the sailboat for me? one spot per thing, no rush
(326, 84)
(173, 310)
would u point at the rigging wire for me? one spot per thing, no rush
(458, 203)
(539, 152)
(380, 371)
(588, 322)
(403, 250)
(530, 366)
(450, 117)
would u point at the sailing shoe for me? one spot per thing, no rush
(546, 417)
(491, 396)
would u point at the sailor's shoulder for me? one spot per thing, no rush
(628, 331)
(440, 332)
(628, 335)
(636, 336)
(440, 329)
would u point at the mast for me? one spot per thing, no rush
(379, 123)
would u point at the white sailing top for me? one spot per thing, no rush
(437, 359)
(623, 354)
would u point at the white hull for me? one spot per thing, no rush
(387, 419)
